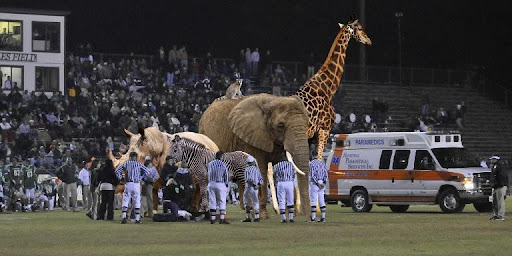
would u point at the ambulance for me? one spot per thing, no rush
(399, 169)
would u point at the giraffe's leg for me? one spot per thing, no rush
(322, 139)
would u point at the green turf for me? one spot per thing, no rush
(424, 230)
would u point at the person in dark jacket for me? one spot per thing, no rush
(67, 174)
(499, 182)
(168, 170)
(107, 182)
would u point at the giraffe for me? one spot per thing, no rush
(318, 91)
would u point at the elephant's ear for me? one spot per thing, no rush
(248, 121)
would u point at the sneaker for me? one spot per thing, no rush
(138, 222)
(212, 221)
(246, 220)
(89, 215)
(123, 221)
(499, 218)
(291, 221)
(493, 218)
(224, 221)
(283, 221)
(321, 220)
(256, 220)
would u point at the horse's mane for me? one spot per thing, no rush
(194, 143)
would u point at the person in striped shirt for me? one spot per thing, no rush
(284, 176)
(317, 181)
(218, 178)
(253, 181)
(135, 172)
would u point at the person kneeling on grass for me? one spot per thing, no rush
(177, 196)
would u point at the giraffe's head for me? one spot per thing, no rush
(357, 32)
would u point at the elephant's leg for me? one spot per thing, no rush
(323, 135)
(263, 193)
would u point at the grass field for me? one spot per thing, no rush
(424, 230)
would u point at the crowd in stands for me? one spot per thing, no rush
(169, 91)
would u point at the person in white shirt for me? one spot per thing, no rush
(8, 83)
(248, 61)
(255, 60)
(85, 177)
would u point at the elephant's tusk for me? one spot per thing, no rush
(290, 159)
(270, 176)
(297, 198)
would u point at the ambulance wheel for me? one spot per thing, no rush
(483, 206)
(360, 201)
(450, 202)
(399, 208)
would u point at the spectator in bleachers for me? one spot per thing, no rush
(255, 61)
(310, 63)
(460, 111)
(267, 63)
(248, 62)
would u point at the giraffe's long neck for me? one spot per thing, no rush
(333, 66)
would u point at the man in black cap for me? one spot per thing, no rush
(499, 182)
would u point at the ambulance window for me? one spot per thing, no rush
(455, 138)
(401, 159)
(423, 160)
(437, 138)
(448, 138)
(385, 159)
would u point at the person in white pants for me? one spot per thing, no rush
(285, 175)
(218, 178)
(253, 181)
(135, 172)
(317, 181)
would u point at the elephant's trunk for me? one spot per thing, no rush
(297, 145)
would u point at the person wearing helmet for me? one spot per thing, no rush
(253, 181)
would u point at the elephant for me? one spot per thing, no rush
(264, 126)
(151, 142)
(197, 157)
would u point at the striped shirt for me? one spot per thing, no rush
(284, 171)
(218, 171)
(253, 175)
(317, 171)
(135, 171)
(152, 175)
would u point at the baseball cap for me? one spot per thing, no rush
(495, 157)
(250, 159)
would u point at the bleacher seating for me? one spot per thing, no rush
(485, 124)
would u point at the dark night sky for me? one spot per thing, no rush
(436, 33)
